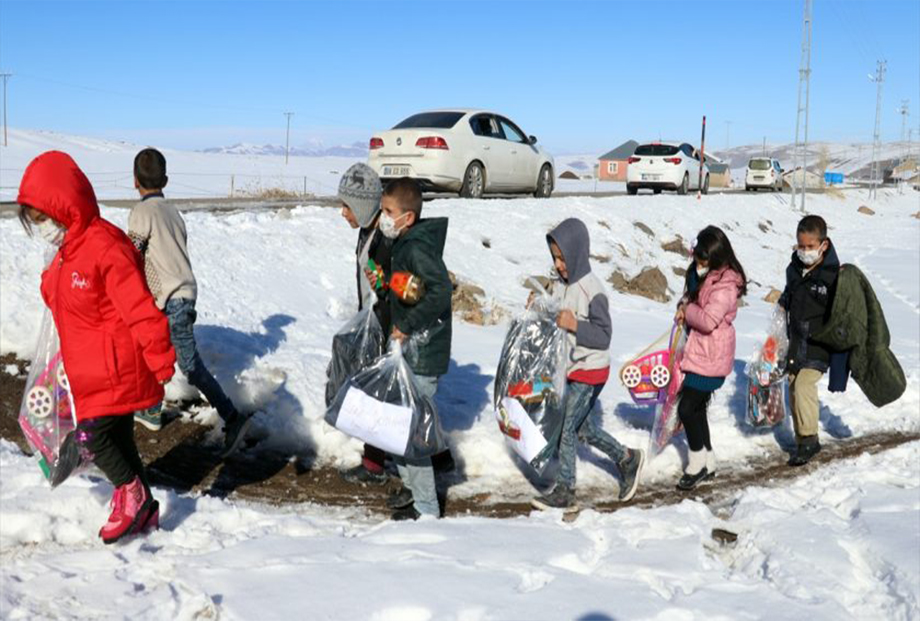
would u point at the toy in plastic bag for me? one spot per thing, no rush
(355, 346)
(530, 383)
(382, 406)
(654, 378)
(47, 415)
(766, 404)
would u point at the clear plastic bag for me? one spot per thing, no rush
(667, 423)
(766, 404)
(382, 406)
(530, 383)
(47, 415)
(355, 346)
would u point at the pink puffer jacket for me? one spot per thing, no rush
(710, 349)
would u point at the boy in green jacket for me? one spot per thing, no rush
(418, 249)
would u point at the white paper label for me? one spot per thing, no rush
(383, 425)
(521, 433)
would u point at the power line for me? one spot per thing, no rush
(801, 147)
(5, 76)
(879, 78)
(287, 138)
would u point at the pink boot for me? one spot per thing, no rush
(131, 506)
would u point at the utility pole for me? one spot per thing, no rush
(5, 76)
(878, 78)
(904, 111)
(764, 146)
(801, 146)
(287, 139)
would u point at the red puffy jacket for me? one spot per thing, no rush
(114, 341)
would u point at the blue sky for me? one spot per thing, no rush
(581, 76)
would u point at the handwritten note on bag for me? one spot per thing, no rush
(530, 441)
(383, 425)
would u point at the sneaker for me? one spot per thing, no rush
(401, 499)
(804, 452)
(234, 432)
(360, 474)
(151, 418)
(405, 514)
(689, 481)
(630, 470)
(131, 506)
(152, 520)
(560, 498)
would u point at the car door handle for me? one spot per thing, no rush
(486, 148)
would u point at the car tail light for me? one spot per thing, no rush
(673, 160)
(431, 142)
(633, 160)
(376, 143)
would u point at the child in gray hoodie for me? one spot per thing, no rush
(585, 316)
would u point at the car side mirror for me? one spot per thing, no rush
(533, 140)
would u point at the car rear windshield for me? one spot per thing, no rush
(657, 149)
(759, 165)
(431, 120)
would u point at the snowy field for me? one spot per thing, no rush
(274, 287)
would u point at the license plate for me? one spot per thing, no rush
(651, 177)
(756, 178)
(396, 171)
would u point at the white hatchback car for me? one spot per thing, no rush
(472, 152)
(763, 172)
(665, 166)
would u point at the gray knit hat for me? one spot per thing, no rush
(360, 189)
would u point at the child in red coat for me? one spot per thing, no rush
(114, 342)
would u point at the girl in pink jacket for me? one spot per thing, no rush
(715, 282)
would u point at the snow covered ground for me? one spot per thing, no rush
(275, 286)
(839, 544)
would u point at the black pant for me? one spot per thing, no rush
(110, 441)
(692, 412)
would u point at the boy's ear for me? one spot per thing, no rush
(137, 185)
(411, 219)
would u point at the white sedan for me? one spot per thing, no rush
(472, 152)
(665, 166)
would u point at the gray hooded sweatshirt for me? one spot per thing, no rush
(583, 294)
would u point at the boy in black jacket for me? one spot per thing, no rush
(418, 249)
(811, 280)
(360, 190)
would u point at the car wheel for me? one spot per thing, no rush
(682, 188)
(747, 188)
(706, 185)
(656, 190)
(544, 182)
(474, 181)
(631, 190)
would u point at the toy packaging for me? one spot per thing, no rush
(530, 383)
(47, 415)
(766, 403)
(654, 378)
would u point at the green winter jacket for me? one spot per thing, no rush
(857, 324)
(420, 251)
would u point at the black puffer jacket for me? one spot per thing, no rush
(807, 300)
(419, 251)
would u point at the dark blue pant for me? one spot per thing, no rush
(578, 405)
(181, 314)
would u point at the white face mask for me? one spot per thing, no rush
(809, 257)
(701, 271)
(387, 226)
(51, 232)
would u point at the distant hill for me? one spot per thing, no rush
(357, 149)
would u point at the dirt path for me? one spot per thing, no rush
(178, 457)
